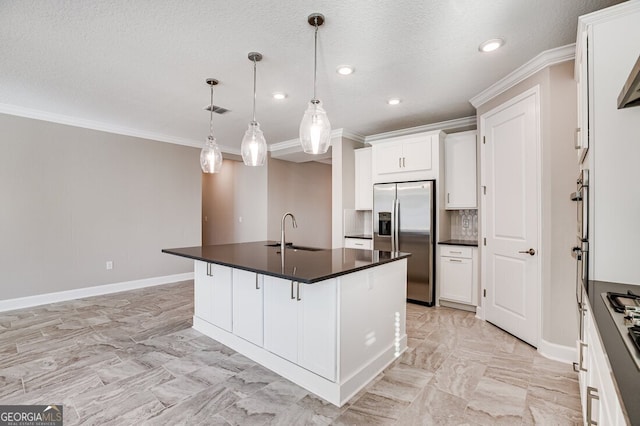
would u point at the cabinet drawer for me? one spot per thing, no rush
(456, 251)
(358, 243)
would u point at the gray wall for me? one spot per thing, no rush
(234, 204)
(73, 198)
(558, 118)
(304, 189)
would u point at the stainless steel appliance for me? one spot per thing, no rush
(581, 250)
(404, 221)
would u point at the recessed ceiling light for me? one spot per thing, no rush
(345, 70)
(393, 101)
(491, 45)
(279, 96)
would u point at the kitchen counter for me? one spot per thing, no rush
(360, 236)
(625, 372)
(332, 336)
(470, 243)
(298, 265)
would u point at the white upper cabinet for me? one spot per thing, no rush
(405, 158)
(460, 170)
(364, 181)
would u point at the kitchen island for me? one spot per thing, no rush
(328, 320)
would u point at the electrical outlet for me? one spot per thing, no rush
(109, 265)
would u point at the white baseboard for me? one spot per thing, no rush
(566, 354)
(479, 313)
(79, 293)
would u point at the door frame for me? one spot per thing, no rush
(535, 92)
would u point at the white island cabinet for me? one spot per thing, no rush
(329, 320)
(212, 294)
(248, 290)
(300, 323)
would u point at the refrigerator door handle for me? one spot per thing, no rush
(396, 231)
(393, 226)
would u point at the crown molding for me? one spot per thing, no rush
(442, 125)
(337, 133)
(103, 127)
(543, 60)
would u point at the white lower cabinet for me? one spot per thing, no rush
(358, 243)
(213, 294)
(458, 274)
(600, 403)
(248, 305)
(300, 323)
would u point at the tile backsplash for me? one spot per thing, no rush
(464, 224)
(357, 222)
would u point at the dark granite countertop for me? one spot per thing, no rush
(298, 265)
(469, 243)
(625, 372)
(360, 236)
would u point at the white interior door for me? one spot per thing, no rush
(511, 150)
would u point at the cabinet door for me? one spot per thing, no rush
(317, 333)
(203, 291)
(248, 306)
(388, 158)
(364, 179)
(456, 279)
(281, 318)
(212, 294)
(460, 170)
(416, 154)
(222, 296)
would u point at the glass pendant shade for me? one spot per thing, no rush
(210, 156)
(254, 146)
(315, 129)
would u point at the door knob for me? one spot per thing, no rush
(530, 251)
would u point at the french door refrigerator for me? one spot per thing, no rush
(403, 220)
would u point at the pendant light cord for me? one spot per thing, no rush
(254, 89)
(315, 58)
(211, 116)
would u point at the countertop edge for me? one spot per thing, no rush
(615, 349)
(400, 256)
(459, 243)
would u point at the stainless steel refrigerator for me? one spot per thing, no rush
(403, 220)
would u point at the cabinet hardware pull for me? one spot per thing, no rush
(581, 357)
(404, 164)
(455, 260)
(458, 252)
(448, 198)
(592, 393)
(209, 270)
(298, 291)
(292, 296)
(257, 285)
(576, 141)
(399, 162)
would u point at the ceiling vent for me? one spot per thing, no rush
(217, 109)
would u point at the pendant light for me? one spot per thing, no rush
(254, 146)
(315, 129)
(210, 156)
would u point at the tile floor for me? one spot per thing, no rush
(132, 358)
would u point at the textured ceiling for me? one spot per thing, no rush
(141, 65)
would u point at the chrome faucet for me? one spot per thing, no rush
(282, 238)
